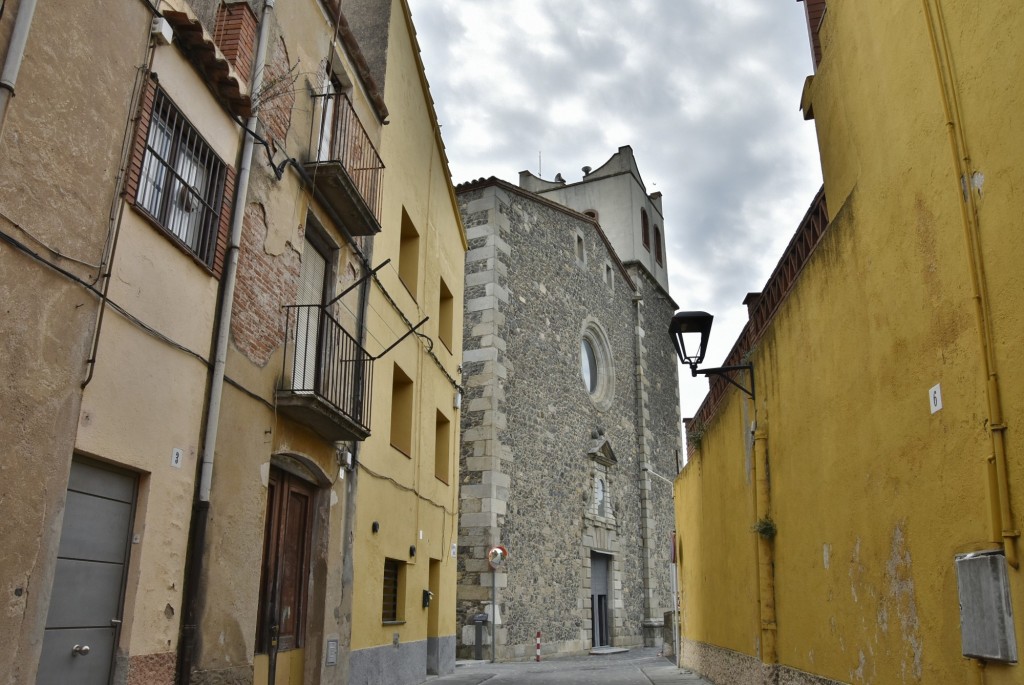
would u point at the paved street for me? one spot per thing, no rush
(635, 667)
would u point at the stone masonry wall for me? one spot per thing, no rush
(663, 429)
(528, 423)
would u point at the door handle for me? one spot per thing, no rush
(80, 650)
(115, 621)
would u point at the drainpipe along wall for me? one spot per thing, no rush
(765, 548)
(15, 53)
(946, 75)
(200, 516)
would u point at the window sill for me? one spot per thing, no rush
(405, 452)
(174, 240)
(392, 623)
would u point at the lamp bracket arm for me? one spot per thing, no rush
(725, 371)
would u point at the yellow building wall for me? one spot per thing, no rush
(873, 494)
(398, 491)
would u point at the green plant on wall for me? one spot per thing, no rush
(694, 434)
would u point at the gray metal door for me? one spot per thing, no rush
(88, 585)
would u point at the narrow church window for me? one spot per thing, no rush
(596, 364)
(588, 362)
(645, 230)
(657, 245)
(581, 255)
(600, 499)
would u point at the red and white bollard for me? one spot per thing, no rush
(538, 645)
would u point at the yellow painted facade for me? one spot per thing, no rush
(407, 506)
(913, 285)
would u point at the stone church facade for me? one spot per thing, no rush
(570, 424)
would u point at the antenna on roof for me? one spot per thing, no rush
(540, 171)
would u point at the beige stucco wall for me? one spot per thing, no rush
(872, 493)
(147, 397)
(59, 156)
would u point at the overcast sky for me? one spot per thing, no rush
(706, 92)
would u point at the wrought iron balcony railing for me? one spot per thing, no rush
(346, 167)
(327, 375)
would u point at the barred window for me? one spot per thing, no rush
(392, 608)
(182, 180)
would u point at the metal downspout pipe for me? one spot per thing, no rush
(15, 53)
(765, 549)
(201, 508)
(972, 232)
(231, 267)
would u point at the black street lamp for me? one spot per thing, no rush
(697, 326)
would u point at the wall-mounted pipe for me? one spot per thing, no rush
(15, 53)
(765, 549)
(946, 76)
(201, 505)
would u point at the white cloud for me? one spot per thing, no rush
(706, 93)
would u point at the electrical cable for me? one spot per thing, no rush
(149, 330)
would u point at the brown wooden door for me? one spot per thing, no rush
(284, 580)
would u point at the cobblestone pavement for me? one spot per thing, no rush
(635, 667)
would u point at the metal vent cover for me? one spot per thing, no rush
(986, 612)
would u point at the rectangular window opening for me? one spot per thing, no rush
(409, 254)
(446, 316)
(442, 448)
(393, 604)
(401, 411)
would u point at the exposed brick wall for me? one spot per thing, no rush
(235, 35)
(266, 283)
(277, 94)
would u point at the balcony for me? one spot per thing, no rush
(347, 171)
(327, 375)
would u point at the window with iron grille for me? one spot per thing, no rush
(392, 607)
(181, 185)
